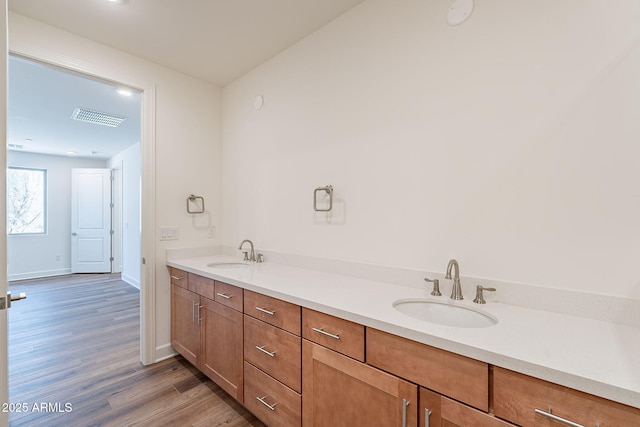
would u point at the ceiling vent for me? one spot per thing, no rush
(103, 119)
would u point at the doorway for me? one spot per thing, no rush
(64, 124)
(122, 162)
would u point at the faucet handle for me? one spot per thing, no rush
(260, 258)
(436, 286)
(479, 299)
(246, 255)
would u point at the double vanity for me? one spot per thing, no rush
(303, 347)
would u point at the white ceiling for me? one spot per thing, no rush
(214, 40)
(41, 100)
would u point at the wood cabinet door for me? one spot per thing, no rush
(222, 337)
(341, 392)
(185, 329)
(438, 411)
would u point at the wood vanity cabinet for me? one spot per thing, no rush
(208, 333)
(293, 367)
(517, 396)
(342, 392)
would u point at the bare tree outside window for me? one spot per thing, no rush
(26, 201)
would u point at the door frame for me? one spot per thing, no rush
(4, 362)
(116, 218)
(30, 49)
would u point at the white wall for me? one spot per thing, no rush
(35, 255)
(187, 140)
(129, 161)
(510, 142)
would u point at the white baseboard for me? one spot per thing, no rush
(38, 274)
(130, 280)
(164, 352)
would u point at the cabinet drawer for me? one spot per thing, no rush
(332, 332)
(275, 351)
(516, 397)
(229, 295)
(273, 311)
(270, 400)
(179, 278)
(458, 377)
(201, 286)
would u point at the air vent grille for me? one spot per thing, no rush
(96, 117)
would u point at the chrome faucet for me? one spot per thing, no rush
(456, 291)
(252, 254)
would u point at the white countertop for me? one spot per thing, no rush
(597, 357)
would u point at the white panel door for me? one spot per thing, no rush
(90, 221)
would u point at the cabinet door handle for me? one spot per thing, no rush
(427, 416)
(264, 310)
(264, 402)
(176, 277)
(405, 403)
(267, 352)
(323, 332)
(200, 318)
(557, 418)
(225, 296)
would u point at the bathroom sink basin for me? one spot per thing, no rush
(228, 264)
(444, 313)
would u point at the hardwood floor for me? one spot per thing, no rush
(74, 361)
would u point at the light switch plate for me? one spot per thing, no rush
(170, 233)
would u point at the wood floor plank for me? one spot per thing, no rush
(75, 340)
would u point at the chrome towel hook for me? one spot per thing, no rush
(329, 190)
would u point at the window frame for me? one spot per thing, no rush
(45, 202)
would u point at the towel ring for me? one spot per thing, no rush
(329, 190)
(194, 199)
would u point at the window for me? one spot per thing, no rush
(26, 201)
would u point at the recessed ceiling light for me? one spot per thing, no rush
(71, 153)
(124, 92)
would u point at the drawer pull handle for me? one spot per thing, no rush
(557, 418)
(225, 296)
(264, 310)
(405, 403)
(264, 402)
(323, 332)
(427, 416)
(176, 277)
(267, 352)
